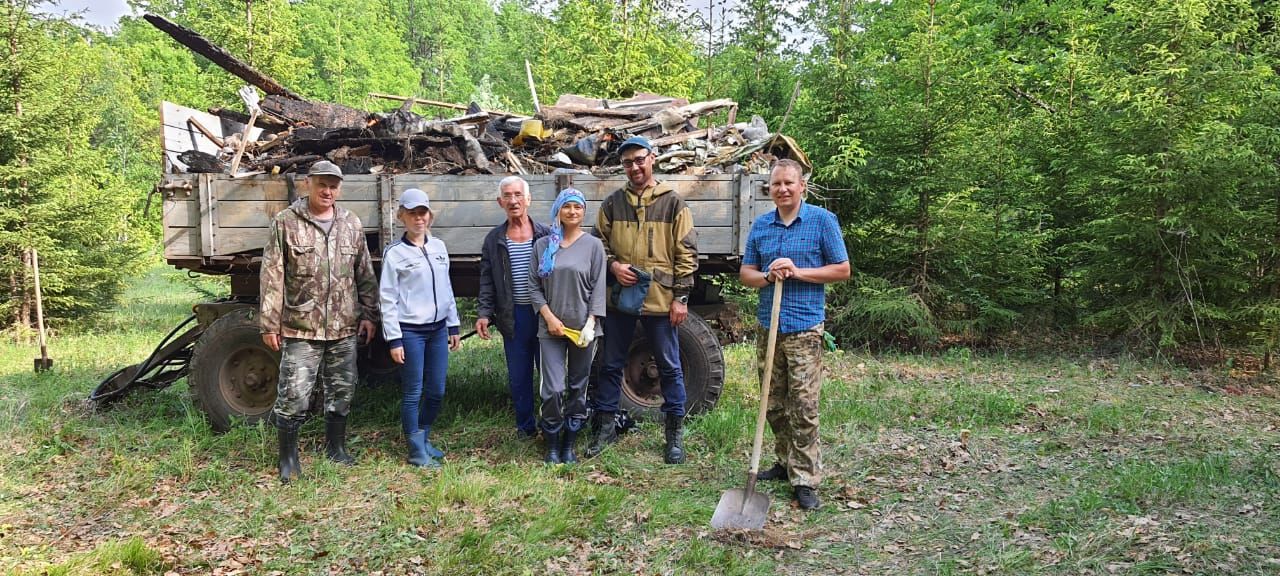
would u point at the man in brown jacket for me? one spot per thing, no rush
(318, 293)
(652, 251)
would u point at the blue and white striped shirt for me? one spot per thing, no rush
(520, 254)
(812, 240)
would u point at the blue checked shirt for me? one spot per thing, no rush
(812, 240)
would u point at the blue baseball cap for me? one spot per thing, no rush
(640, 141)
(414, 198)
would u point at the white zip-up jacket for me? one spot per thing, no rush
(415, 288)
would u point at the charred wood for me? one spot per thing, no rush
(216, 54)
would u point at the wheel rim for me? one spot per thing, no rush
(641, 380)
(247, 380)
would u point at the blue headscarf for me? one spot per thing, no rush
(557, 229)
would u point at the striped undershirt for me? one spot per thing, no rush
(520, 254)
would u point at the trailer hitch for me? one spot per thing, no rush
(169, 362)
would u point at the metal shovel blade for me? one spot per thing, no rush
(740, 510)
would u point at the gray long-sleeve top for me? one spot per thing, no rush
(576, 287)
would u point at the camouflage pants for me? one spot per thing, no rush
(303, 362)
(793, 401)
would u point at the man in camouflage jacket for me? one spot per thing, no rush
(318, 294)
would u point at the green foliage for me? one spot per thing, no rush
(869, 309)
(604, 49)
(58, 194)
(355, 49)
(1073, 164)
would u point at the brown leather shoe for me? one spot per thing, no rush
(778, 472)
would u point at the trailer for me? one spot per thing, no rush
(218, 224)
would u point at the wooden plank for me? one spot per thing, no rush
(443, 188)
(178, 136)
(483, 213)
(488, 213)
(462, 241)
(256, 188)
(181, 214)
(742, 225)
(386, 214)
(713, 187)
(181, 242)
(258, 214)
(207, 207)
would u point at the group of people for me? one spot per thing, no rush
(552, 291)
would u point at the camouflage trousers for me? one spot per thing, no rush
(793, 401)
(303, 362)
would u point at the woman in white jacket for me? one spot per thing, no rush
(419, 321)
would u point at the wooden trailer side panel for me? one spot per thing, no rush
(213, 216)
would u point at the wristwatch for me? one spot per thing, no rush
(683, 298)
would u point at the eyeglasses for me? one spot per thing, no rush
(634, 161)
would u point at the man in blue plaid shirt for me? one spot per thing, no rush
(800, 244)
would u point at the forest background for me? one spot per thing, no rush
(1003, 170)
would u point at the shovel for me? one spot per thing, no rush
(748, 509)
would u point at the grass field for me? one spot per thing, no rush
(963, 463)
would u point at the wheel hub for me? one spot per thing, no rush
(248, 380)
(642, 381)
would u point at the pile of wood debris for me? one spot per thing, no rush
(287, 133)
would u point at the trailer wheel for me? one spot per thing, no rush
(233, 374)
(701, 358)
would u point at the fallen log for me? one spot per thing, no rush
(319, 114)
(216, 54)
(285, 163)
(269, 123)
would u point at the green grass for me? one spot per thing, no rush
(965, 463)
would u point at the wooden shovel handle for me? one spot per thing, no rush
(244, 141)
(768, 377)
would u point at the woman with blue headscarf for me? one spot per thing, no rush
(567, 285)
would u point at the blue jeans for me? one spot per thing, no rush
(426, 360)
(665, 345)
(521, 350)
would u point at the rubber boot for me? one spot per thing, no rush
(335, 437)
(287, 432)
(432, 451)
(552, 440)
(418, 451)
(603, 433)
(675, 440)
(567, 439)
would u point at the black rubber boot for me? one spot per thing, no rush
(603, 433)
(675, 440)
(777, 472)
(807, 497)
(567, 439)
(287, 432)
(335, 437)
(552, 440)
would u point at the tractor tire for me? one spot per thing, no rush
(701, 359)
(233, 374)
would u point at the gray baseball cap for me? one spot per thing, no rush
(325, 168)
(414, 198)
